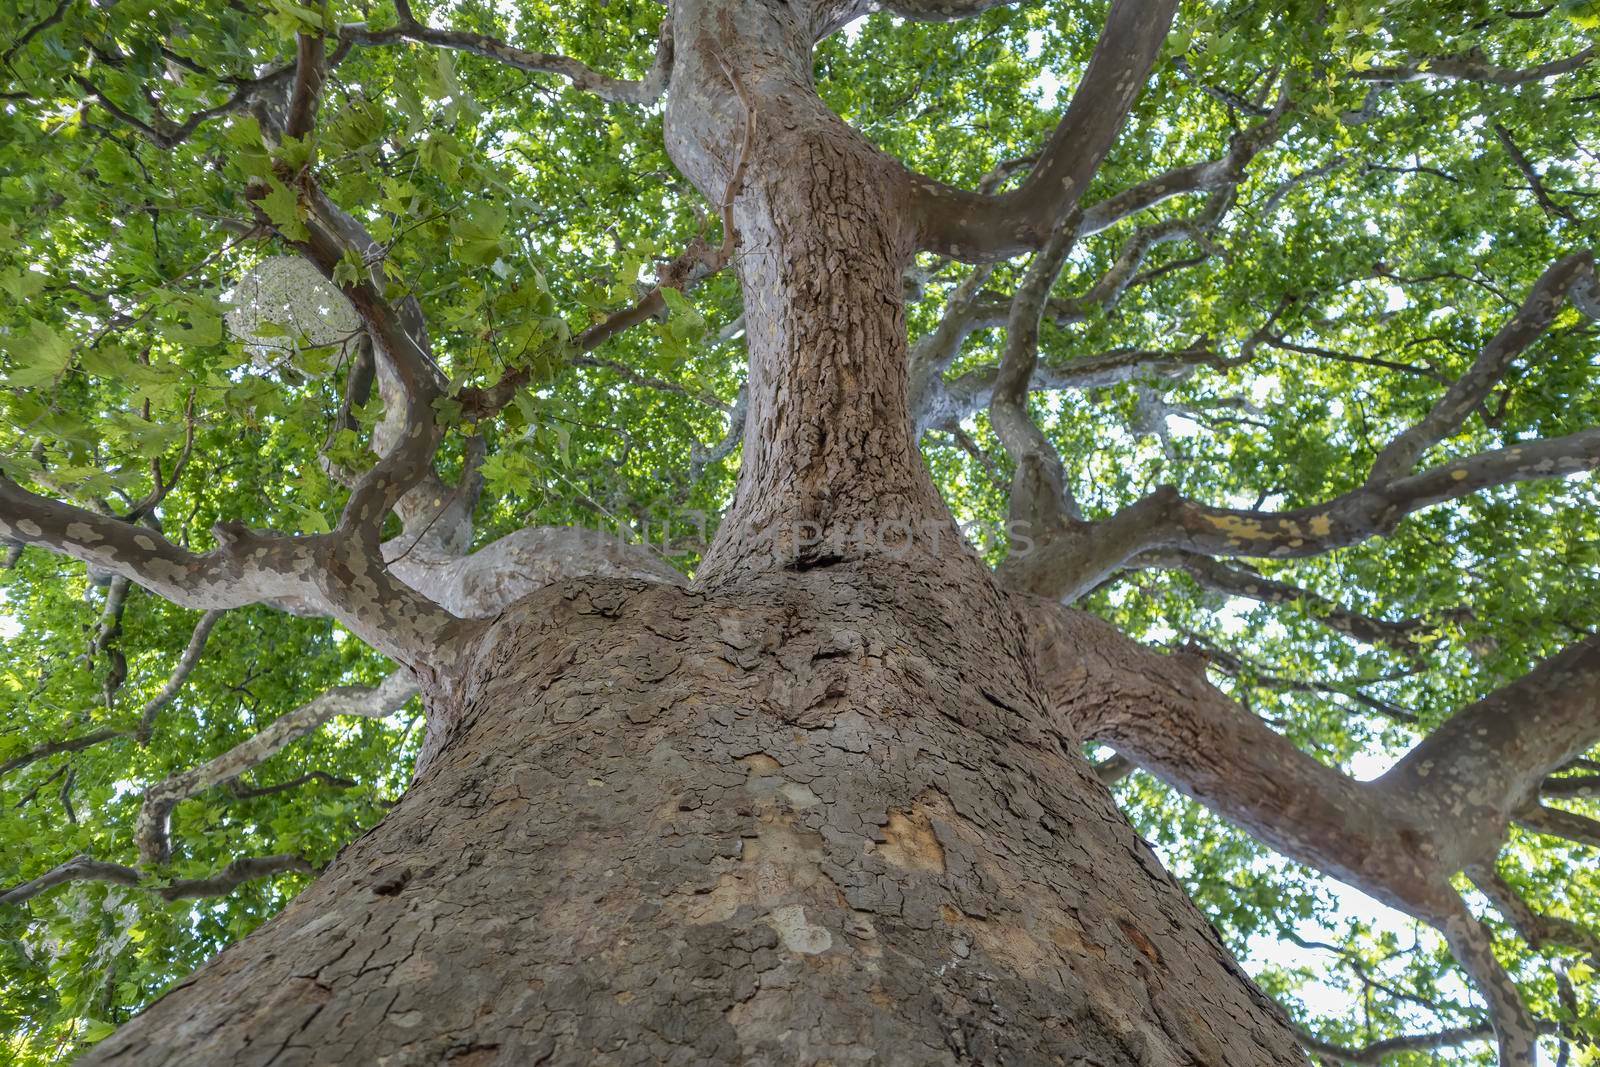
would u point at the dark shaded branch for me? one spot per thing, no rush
(1378, 1052)
(310, 55)
(940, 10)
(55, 748)
(240, 792)
(77, 869)
(1469, 391)
(1558, 822)
(167, 134)
(235, 874)
(1237, 667)
(1585, 787)
(1535, 183)
(1241, 581)
(56, 14)
(86, 869)
(1210, 176)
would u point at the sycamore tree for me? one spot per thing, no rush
(706, 532)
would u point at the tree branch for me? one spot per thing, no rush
(978, 227)
(77, 869)
(1067, 566)
(1040, 494)
(940, 10)
(180, 674)
(1536, 928)
(1399, 634)
(324, 574)
(235, 874)
(1558, 822)
(245, 568)
(1535, 183)
(1485, 764)
(55, 748)
(86, 869)
(1401, 838)
(485, 582)
(151, 834)
(1378, 1052)
(616, 90)
(1474, 67)
(1237, 667)
(310, 55)
(973, 391)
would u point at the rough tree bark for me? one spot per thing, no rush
(823, 820)
(818, 807)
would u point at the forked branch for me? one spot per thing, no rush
(1444, 808)
(977, 227)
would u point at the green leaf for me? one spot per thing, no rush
(283, 207)
(38, 357)
(478, 234)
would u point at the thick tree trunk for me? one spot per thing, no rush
(815, 810)
(826, 823)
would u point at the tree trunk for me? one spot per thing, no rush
(814, 810)
(827, 823)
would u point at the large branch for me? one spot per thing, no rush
(1485, 765)
(245, 568)
(1161, 713)
(1040, 494)
(487, 581)
(407, 457)
(326, 574)
(1401, 838)
(1068, 565)
(979, 227)
(155, 813)
(1463, 398)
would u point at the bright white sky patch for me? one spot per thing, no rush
(9, 627)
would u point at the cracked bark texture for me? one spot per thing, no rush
(823, 819)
